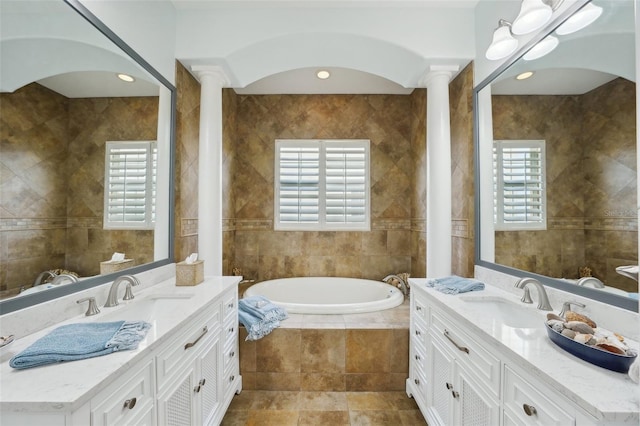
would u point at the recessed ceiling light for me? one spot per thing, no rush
(323, 74)
(525, 75)
(126, 77)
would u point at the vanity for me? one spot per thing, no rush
(484, 358)
(185, 371)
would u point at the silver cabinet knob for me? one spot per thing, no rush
(529, 410)
(130, 403)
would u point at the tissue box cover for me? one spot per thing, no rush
(109, 266)
(189, 274)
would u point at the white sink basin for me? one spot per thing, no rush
(147, 309)
(507, 312)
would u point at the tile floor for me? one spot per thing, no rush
(283, 408)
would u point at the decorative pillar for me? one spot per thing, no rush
(212, 80)
(438, 173)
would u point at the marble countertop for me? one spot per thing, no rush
(67, 386)
(604, 394)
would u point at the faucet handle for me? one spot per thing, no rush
(128, 294)
(566, 307)
(93, 306)
(526, 297)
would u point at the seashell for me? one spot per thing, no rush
(611, 348)
(619, 337)
(552, 316)
(556, 325)
(579, 327)
(583, 338)
(574, 316)
(569, 333)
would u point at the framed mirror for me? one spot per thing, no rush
(71, 204)
(556, 162)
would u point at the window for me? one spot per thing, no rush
(130, 185)
(322, 185)
(519, 185)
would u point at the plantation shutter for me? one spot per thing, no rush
(346, 184)
(299, 197)
(130, 177)
(519, 177)
(322, 185)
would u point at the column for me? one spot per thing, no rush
(212, 80)
(436, 80)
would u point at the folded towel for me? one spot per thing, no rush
(259, 316)
(455, 284)
(81, 340)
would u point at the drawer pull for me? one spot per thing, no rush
(418, 332)
(529, 410)
(416, 381)
(230, 305)
(455, 394)
(231, 330)
(418, 308)
(417, 357)
(460, 348)
(200, 385)
(130, 403)
(231, 354)
(449, 386)
(232, 378)
(192, 344)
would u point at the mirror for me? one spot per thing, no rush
(581, 103)
(60, 103)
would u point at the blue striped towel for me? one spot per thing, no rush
(455, 284)
(81, 340)
(259, 316)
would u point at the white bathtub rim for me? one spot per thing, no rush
(393, 299)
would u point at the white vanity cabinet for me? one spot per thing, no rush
(187, 375)
(457, 376)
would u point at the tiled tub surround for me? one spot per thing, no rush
(38, 392)
(330, 353)
(602, 395)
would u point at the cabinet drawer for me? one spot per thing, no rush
(479, 361)
(525, 404)
(419, 307)
(229, 305)
(418, 334)
(129, 400)
(181, 350)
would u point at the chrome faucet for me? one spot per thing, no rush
(401, 283)
(38, 280)
(590, 280)
(62, 277)
(112, 299)
(543, 299)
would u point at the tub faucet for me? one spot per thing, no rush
(41, 277)
(402, 285)
(590, 280)
(62, 277)
(112, 299)
(543, 299)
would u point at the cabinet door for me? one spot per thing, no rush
(475, 406)
(209, 382)
(176, 405)
(440, 386)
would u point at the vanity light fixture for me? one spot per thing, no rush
(525, 75)
(544, 46)
(323, 74)
(581, 19)
(534, 14)
(503, 43)
(126, 77)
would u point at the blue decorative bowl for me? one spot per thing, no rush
(599, 357)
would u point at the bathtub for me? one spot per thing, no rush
(328, 295)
